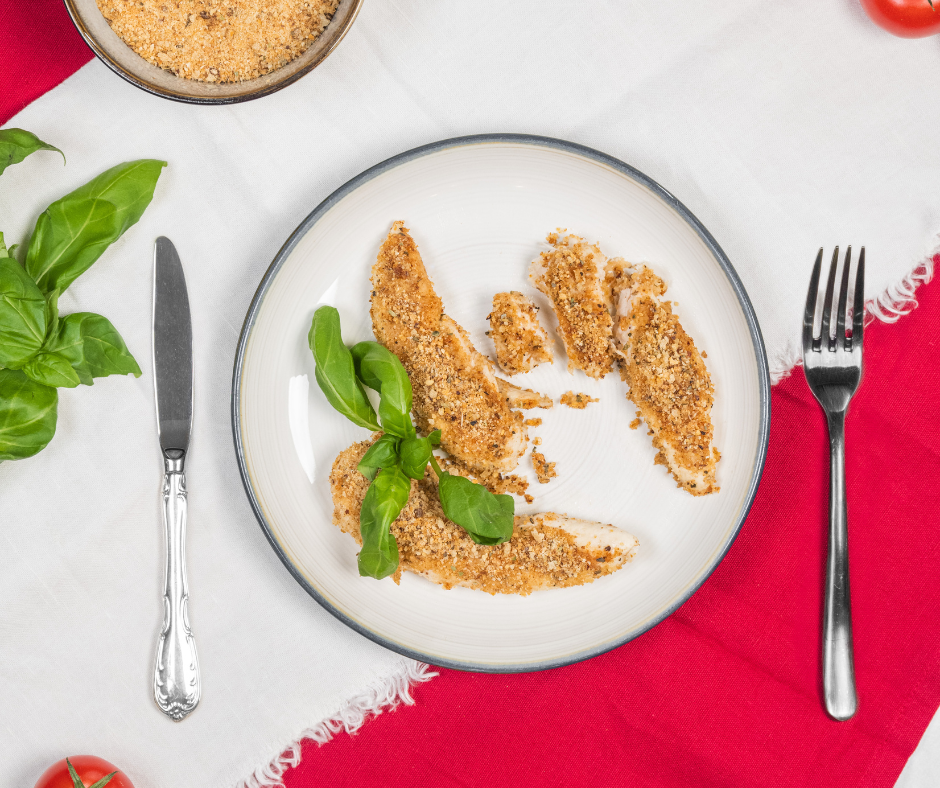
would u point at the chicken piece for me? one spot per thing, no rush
(526, 399)
(668, 381)
(571, 275)
(455, 388)
(546, 550)
(521, 342)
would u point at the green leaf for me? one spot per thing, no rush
(4, 252)
(74, 231)
(22, 315)
(483, 515)
(384, 500)
(92, 347)
(17, 144)
(381, 454)
(27, 415)
(51, 369)
(381, 370)
(416, 454)
(103, 781)
(335, 372)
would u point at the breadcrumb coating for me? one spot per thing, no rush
(454, 386)
(521, 342)
(577, 401)
(544, 470)
(571, 275)
(668, 380)
(545, 551)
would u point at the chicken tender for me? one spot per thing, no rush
(545, 551)
(571, 274)
(668, 380)
(521, 342)
(455, 388)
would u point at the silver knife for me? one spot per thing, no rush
(176, 686)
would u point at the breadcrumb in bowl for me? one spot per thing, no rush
(306, 44)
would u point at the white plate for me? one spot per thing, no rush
(479, 209)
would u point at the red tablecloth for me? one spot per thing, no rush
(727, 690)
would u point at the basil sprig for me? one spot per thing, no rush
(39, 351)
(399, 455)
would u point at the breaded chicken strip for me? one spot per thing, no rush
(455, 389)
(520, 341)
(668, 381)
(571, 274)
(546, 550)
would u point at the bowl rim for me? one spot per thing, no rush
(79, 22)
(351, 185)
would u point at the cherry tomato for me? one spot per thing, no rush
(906, 18)
(89, 770)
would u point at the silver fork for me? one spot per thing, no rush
(833, 366)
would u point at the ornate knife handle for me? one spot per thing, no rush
(176, 676)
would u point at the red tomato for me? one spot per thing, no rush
(906, 18)
(89, 769)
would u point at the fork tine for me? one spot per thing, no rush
(841, 338)
(809, 316)
(858, 307)
(827, 301)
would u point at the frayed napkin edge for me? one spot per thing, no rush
(897, 300)
(378, 696)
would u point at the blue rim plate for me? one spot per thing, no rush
(751, 357)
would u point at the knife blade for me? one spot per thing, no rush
(176, 683)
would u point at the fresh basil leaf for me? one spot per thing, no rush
(51, 369)
(74, 231)
(52, 313)
(474, 508)
(383, 502)
(335, 372)
(381, 370)
(416, 454)
(22, 315)
(17, 144)
(4, 252)
(27, 415)
(92, 346)
(381, 454)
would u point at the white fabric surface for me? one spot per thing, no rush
(782, 126)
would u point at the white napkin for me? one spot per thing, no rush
(782, 126)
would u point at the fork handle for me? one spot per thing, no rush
(838, 661)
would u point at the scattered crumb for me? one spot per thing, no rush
(543, 470)
(635, 423)
(218, 42)
(571, 275)
(536, 441)
(533, 422)
(576, 401)
(521, 343)
(529, 498)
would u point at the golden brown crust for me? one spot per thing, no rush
(521, 342)
(570, 274)
(454, 387)
(576, 400)
(668, 380)
(539, 555)
(214, 42)
(544, 470)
